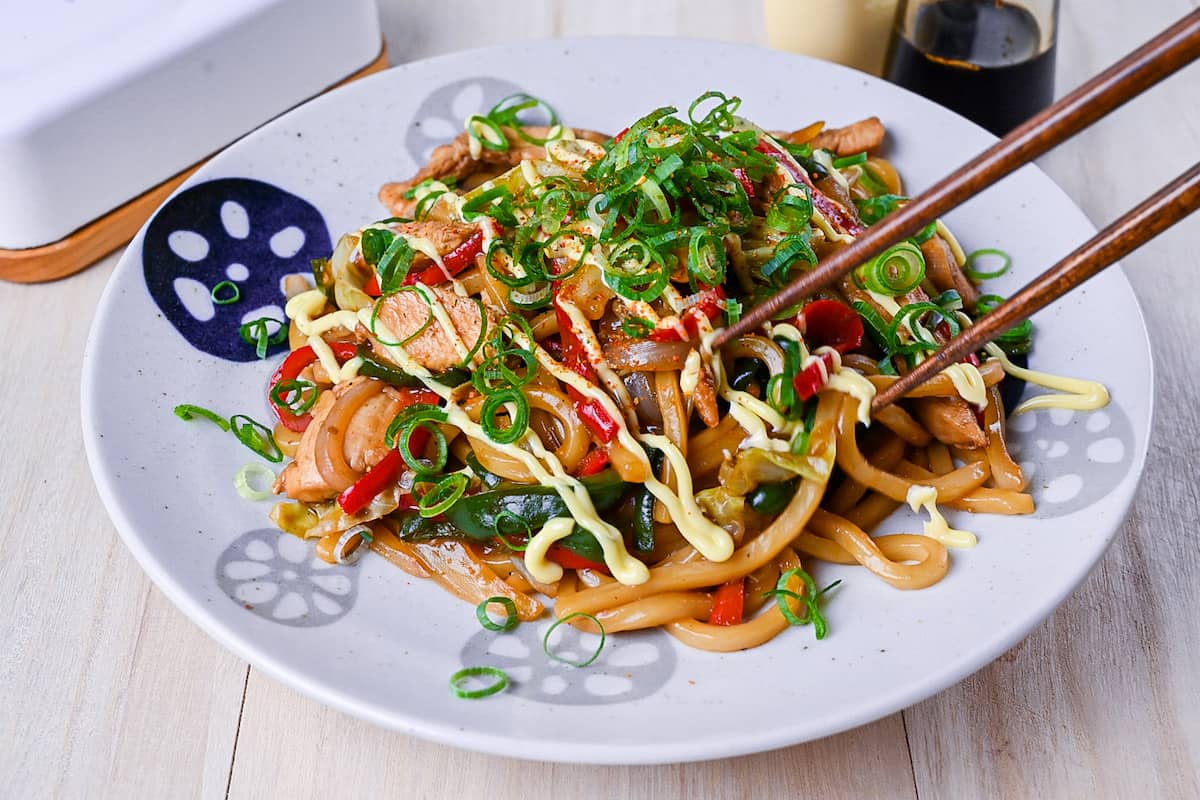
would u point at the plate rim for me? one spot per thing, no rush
(544, 748)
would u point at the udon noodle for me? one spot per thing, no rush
(508, 387)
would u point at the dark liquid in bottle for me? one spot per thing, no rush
(981, 58)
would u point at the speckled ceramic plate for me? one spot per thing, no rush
(374, 642)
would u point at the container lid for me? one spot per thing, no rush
(101, 101)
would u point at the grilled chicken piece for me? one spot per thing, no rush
(705, 398)
(446, 236)
(454, 160)
(951, 421)
(866, 134)
(944, 272)
(403, 314)
(371, 407)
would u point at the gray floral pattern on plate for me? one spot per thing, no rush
(633, 665)
(280, 578)
(441, 115)
(1071, 458)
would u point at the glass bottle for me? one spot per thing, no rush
(990, 60)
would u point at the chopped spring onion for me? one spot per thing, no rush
(637, 271)
(374, 244)
(706, 257)
(444, 494)
(895, 271)
(926, 233)
(733, 311)
(809, 598)
(791, 213)
(256, 436)
(789, 250)
(460, 679)
(257, 333)
(394, 265)
(250, 474)
(188, 412)
(517, 404)
(487, 132)
(522, 525)
(1018, 339)
(507, 113)
(850, 161)
(981, 275)
(295, 396)
(511, 620)
(873, 209)
(637, 327)
(577, 615)
(225, 292)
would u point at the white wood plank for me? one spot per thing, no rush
(291, 746)
(1101, 700)
(108, 689)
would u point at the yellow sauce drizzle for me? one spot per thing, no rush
(968, 383)
(937, 528)
(1079, 394)
(535, 551)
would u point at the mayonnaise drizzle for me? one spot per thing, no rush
(937, 528)
(541, 463)
(1077, 394)
(300, 309)
(968, 383)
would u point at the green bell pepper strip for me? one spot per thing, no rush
(643, 509)
(477, 517)
(771, 498)
(372, 367)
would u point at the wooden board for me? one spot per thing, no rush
(101, 236)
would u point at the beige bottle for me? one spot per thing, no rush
(850, 32)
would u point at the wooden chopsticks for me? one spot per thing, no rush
(1154, 215)
(1165, 54)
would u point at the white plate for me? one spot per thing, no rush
(374, 642)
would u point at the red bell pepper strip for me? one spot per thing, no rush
(831, 323)
(590, 410)
(729, 603)
(372, 287)
(620, 135)
(456, 261)
(595, 461)
(360, 494)
(367, 488)
(744, 180)
(833, 212)
(810, 379)
(291, 368)
(709, 305)
(569, 559)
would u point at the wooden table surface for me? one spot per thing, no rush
(110, 691)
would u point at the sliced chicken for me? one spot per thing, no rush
(406, 314)
(343, 441)
(866, 134)
(454, 160)
(951, 421)
(446, 236)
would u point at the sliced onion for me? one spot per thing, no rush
(344, 552)
(629, 355)
(645, 404)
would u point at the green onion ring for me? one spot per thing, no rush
(850, 161)
(224, 301)
(977, 275)
(896, 271)
(511, 620)
(476, 122)
(443, 495)
(305, 396)
(418, 465)
(415, 412)
(637, 328)
(426, 204)
(458, 678)
(255, 332)
(550, 631)
(257, 437)
(527, 530)
(188, 412)
(706, 257)
(520, 420)
(254, 471)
